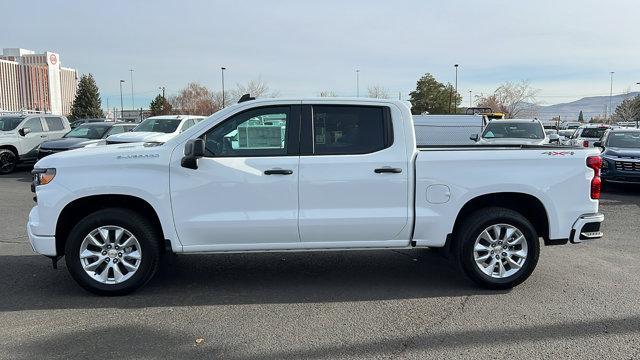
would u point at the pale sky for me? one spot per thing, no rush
(564, 48)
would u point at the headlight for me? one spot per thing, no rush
(43, 176)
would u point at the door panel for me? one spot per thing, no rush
(32, 140)
(343, 199)
(244, 194)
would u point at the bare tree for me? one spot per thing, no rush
(195, 99)
(328, 94)
(378, 92)
(513, 99)
(256, 88)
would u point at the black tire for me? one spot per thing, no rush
(148, 238)
(471, 228)
(8, 161)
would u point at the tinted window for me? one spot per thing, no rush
(116, 129)
(54, 123)
(513, 130)
(629, 139)
(593, 133)
(159, 125)
(342, 130)
(259, 132)
(9, 123)
(34, 124)
(87, 131)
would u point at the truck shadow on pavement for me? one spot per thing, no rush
(245, 279)
(139, 341)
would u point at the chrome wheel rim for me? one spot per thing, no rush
(500, 250)
(110, 254)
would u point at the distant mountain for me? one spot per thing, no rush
(590, 106)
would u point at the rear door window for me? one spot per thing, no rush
(345, 130)
(34, 124)
(54, 123)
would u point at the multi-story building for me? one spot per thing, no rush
(30, 81)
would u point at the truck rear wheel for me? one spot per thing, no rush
(8, 161)
(112, 252)
(497, 248)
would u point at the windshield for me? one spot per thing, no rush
(593, 133)
(513, 130)
(9, 123)
(88, 132)
(624, 139)
(158, 125)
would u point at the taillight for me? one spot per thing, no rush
(595, 163)
(585, 143)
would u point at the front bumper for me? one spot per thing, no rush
(587, 227)
(44, 245)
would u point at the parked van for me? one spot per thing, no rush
(432, 130)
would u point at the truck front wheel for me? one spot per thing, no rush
(112, 252)
(497, 248)
(8, 161)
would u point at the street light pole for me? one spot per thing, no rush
(611, 95)
(222, 69)
(133, 106)
(469, 98)
(164, 100)
(121, 102)
(357, 82)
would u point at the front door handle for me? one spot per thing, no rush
(43, 136)
(388, 170)
(278, 172)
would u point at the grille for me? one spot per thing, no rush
(627, 166)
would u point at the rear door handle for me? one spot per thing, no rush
(387, 170)
(278, 172)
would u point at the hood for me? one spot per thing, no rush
(99, 155)
(512, 141)
(141, 136)
(622, 152)
(67, 143)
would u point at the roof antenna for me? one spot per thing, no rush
(246, 97)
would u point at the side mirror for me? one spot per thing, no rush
(24, 131)
(193, 150)
(474, 137)
(598, 144)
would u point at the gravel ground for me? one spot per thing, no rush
(583, 301)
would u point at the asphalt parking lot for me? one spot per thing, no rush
(583, 301)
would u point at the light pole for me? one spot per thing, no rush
(133, 106)
(164, 100)
(357, 82)
(611, 95)
(469, 98)
(121, 102)
(222, 69)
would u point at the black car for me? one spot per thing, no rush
(620, 155)
(88, 134)
(79, 122)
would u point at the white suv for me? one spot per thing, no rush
(587, 135)
(156, 129)
(22, 134)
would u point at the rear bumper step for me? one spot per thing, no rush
(587, 227)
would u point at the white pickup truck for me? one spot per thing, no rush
(304, 175)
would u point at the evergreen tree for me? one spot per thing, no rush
(433, 97)
(581, 117)
(159, 106)
(87, 103)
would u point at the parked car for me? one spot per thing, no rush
(571, 125)
(156, 129)
(514, 132)
(620, 155)
(345, 174)
(76, 123)
(87, 134)
(587, 135)
(22, 134)
(447, 129)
